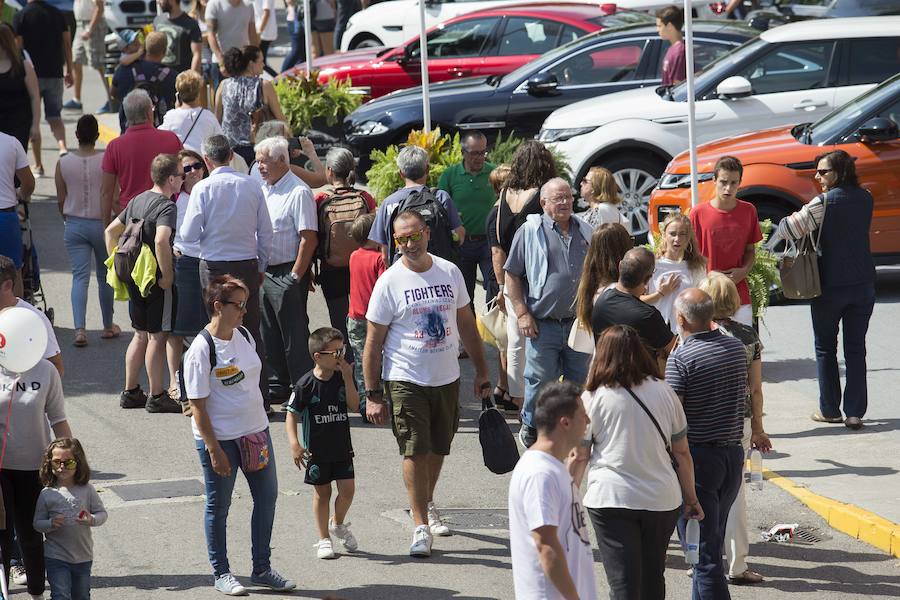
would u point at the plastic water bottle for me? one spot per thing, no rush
(692, 542)
(756, 476)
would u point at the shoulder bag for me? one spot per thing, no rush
(261, 113)
(658, 429)
(799, 265)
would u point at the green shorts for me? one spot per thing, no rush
(424, 419)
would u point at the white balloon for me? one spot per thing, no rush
(23, 339)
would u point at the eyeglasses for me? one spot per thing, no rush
(193, 167)
(401, 240)
(339, 353)
(560, 200)
(241, 305)
(823, 172)
(476, 152)
(70, 464)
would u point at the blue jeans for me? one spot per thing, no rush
(83, 239)
(547, 357)
(717, 477)
(472, 256)
(297, 53)
(264, 490)
(850, 306)
(69, 581)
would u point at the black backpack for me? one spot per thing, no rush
(212, 359)
(153, 85)
(425, 203)
(498, 446)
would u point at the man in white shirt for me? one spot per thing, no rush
(227, 216)
(285, 289)
(551, 550)
(417, 315)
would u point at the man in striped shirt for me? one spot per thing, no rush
(708, 371)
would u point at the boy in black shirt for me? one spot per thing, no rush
(320, 401)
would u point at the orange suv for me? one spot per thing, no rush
(779, 165)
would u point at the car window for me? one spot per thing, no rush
(570, 34)
(607, 64)
(528, 35)
(891, 112)
(461, 39)
(834, 124)
(790, 67)
(873, 60)
(705, 52)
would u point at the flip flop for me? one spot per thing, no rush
(112, 332)
(80, 339)
(820, 418)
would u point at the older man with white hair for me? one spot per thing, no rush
(542, 273)
(285, 289)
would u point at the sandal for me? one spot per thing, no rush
(818, 417)
(748, 577)
(111, 332)
(80, 338)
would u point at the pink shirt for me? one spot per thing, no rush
(82, 175)
(128, 157)
(674, 64)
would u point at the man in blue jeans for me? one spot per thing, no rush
(542, 274)
(708, 371)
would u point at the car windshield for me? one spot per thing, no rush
(718, 69)
(834, 124)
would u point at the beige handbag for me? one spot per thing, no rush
(494, 322)
(799, 266)
(580, 339)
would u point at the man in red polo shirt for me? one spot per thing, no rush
(128, 157)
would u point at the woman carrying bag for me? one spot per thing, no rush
(840, 217)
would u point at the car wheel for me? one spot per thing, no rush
(636, 177)
(365, 41)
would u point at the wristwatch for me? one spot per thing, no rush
(376, 392)
(294, 276)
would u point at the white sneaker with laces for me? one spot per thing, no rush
(435, 523)
(324, 549)
(421, 546)
(228, 585)
(344, 535)
(17, 572)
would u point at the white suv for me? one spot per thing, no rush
(791, 74)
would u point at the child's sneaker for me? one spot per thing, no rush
(228, 585)
(324, 549)
(17, 572)
(421, 546)
(272, 579)
(343, 534)
(435, 523)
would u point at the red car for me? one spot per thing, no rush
(482, 43)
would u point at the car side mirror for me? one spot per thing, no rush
(542, 84)
(878, 129)
(734, 88)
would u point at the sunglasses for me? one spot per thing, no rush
(193, 167)
(339, 353)
(241, 305)
(823, 172)
(70, 464)
(401, 240)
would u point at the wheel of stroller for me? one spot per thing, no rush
(50, 314)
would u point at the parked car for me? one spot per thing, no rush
(599, 63)
(486, 42)
(779, 12)
(800, 70)
(779, 165)
(392, 23)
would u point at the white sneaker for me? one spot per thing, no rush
(228, 585)
(421, 546)
(435, 523)
(343, 534)
(17, 572)
(324, 549)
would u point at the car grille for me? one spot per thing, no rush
(136, 6)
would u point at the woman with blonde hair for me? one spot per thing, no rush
(600, 190)
(679, 266)
(190, 121)
(726, 303)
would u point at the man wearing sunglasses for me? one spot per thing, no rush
(418, 313)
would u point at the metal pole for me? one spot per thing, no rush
(689, 68)
(423, 56)
(307, 35)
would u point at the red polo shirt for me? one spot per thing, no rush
(128, 157)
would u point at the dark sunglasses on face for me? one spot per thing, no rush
(193, 167)
(823, 172)
(339, 353)
(401, 240)
(241, 305)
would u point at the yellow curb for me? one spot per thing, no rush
(848, 518)
(106, 134)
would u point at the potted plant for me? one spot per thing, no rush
(310, 105)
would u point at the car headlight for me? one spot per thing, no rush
(367, 128)
(561, 135)
(670, 181)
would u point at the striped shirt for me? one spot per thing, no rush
(709, 372)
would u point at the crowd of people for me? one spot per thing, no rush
(635, 371)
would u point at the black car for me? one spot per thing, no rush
(600, 63)
(779, 12)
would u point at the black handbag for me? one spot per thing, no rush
(498, 446)
(665, 440)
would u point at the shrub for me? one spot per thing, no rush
(304, 99)
(443, 151)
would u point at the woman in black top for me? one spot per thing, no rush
(20, 101)
(841, 217)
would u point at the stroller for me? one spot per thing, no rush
(31, 271)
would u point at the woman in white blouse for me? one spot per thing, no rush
(190, 121)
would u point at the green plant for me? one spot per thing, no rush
(303, 99)
(443, 151)
(764, 276)
(503, 150)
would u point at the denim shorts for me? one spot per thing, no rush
(51, 89)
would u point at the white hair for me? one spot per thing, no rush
(135, 106)
(274, 147)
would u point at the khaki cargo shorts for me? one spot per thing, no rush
(424, 419)
(91, 51)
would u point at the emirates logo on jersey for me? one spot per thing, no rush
(2, 341)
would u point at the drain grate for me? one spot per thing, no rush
(475, 518)
(176, 488)
(795, 534)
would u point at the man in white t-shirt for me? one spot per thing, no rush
(8, 299)
(417, 315)
(551, 550)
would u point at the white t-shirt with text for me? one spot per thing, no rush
(541, 492)
(422, 343)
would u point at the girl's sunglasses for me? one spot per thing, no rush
(193, 167)
(70, 464)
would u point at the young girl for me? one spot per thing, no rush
(679, 265)
(66, 510)
(600, 190)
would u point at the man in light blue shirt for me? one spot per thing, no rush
(285, 289)
(227, 216)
